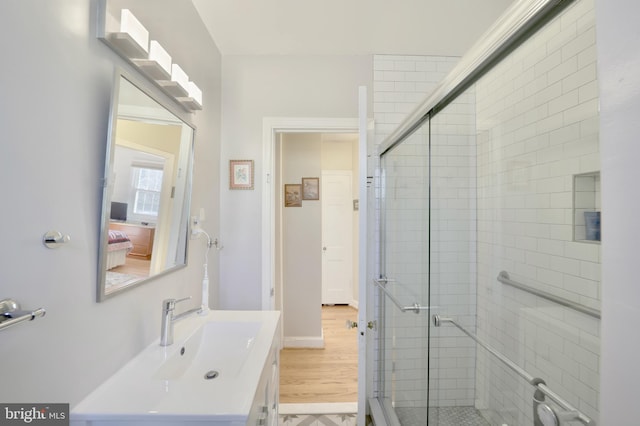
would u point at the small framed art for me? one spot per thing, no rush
(292, 195)
(310, 188)
(240, 174)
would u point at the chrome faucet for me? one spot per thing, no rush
(168, 319)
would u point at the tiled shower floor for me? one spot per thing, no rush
(440, 416)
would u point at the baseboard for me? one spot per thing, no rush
(304, 342)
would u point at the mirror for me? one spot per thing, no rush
(145, 206)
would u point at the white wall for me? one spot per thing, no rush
(270, 86)
(618, 41)
(302, 240)
(54, 117)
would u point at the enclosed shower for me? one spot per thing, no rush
(488, 205)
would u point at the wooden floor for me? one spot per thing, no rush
(323, 375)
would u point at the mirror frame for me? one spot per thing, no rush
(168, 104)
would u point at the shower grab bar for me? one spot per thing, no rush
(416, 307)
(503, 277)
(536, 382)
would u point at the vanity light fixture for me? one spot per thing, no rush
(195, 93)
(194, 99)
(126, 35)
(159, 55)
(158, 66)
(179, 83)
(180, 77)
(133, 37)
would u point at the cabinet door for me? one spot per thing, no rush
(274, 388)
(264, 411)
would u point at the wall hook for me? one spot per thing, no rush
(54, 239)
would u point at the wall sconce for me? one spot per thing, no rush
(132, 39)
(179, 83)
(158, 64)
(126, 35)
(192, 97)
(195, 95)
(130, 26)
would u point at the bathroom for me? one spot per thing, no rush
(56, 139)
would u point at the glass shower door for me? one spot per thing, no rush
(483, 220)
(452, 276)
(404, 259)
(428, 261)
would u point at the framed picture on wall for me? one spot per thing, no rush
(292, 195)
(240, 174)
(310, 188)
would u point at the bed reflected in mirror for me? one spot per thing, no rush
(147, 192)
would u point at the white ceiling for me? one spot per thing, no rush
(347, 27)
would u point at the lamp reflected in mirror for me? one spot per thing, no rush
(147, 193)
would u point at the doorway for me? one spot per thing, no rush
(304, 242)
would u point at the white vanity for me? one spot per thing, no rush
(222, 369)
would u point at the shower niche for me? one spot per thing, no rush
(586, 207)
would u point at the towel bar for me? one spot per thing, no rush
(11, 314)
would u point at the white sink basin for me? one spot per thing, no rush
(215, 346)
(168, 383)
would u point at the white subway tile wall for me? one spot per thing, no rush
(452, 355)
(400, 83)
(537, 124)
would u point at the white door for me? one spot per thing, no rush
(337, 237)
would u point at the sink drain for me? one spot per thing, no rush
(211, 375)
